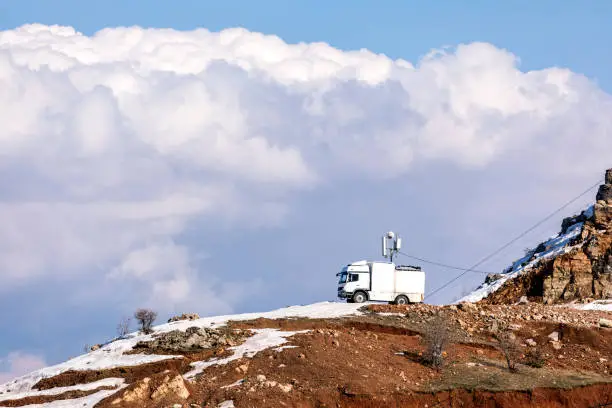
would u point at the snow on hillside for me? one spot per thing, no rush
(602, 305)
(86, 401)
(113, 354)
(554, 246)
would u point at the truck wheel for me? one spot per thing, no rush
(359, 297)
(401, 300)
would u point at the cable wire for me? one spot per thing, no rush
(521, 235)
(442, 264)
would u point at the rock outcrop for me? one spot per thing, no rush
(151, 391)
(582, 272)
(184, 316)
(194, 339)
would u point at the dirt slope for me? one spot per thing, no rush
(374, 359)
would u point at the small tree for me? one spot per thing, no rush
(436, 337)
(508, 345)
(123, 328)
(145, 318)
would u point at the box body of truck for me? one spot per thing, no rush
(381, 281)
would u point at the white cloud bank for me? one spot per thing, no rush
(110, 145)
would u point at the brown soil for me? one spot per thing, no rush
(582, 348)
(583, 397)
(358, 363)
(313, 324)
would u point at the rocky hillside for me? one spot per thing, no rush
(574, 266)
(342, 355)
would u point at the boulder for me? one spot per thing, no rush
(467, 307)
(571, 278)
(605, 193)
(285, 387)
(605, 323)
(554, 336)
(174, 386)
(492, 277)
(568, 222)
(602, 213)
(157, 388)
(136, 393)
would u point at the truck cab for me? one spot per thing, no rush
(381, 281)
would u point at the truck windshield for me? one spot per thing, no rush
(343, 277)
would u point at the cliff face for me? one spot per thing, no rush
(579, 267)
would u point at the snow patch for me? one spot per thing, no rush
(589, 212)
(88, 401)
(281, 348)
(391, 314)
(234, 384)
(107, 382)
(601, 305)
(261, 340)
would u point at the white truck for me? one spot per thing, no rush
(382, 281)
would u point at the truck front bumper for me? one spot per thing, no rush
(345, 295)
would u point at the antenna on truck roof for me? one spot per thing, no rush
(389, 249)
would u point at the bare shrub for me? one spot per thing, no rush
(123, 328)
(508, 345)
(435, 338)
(145, 318)
(535, 358)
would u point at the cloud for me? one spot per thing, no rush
(163, 275)
(19, 363)
(115, 146)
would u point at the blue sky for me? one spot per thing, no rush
(270, 235)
